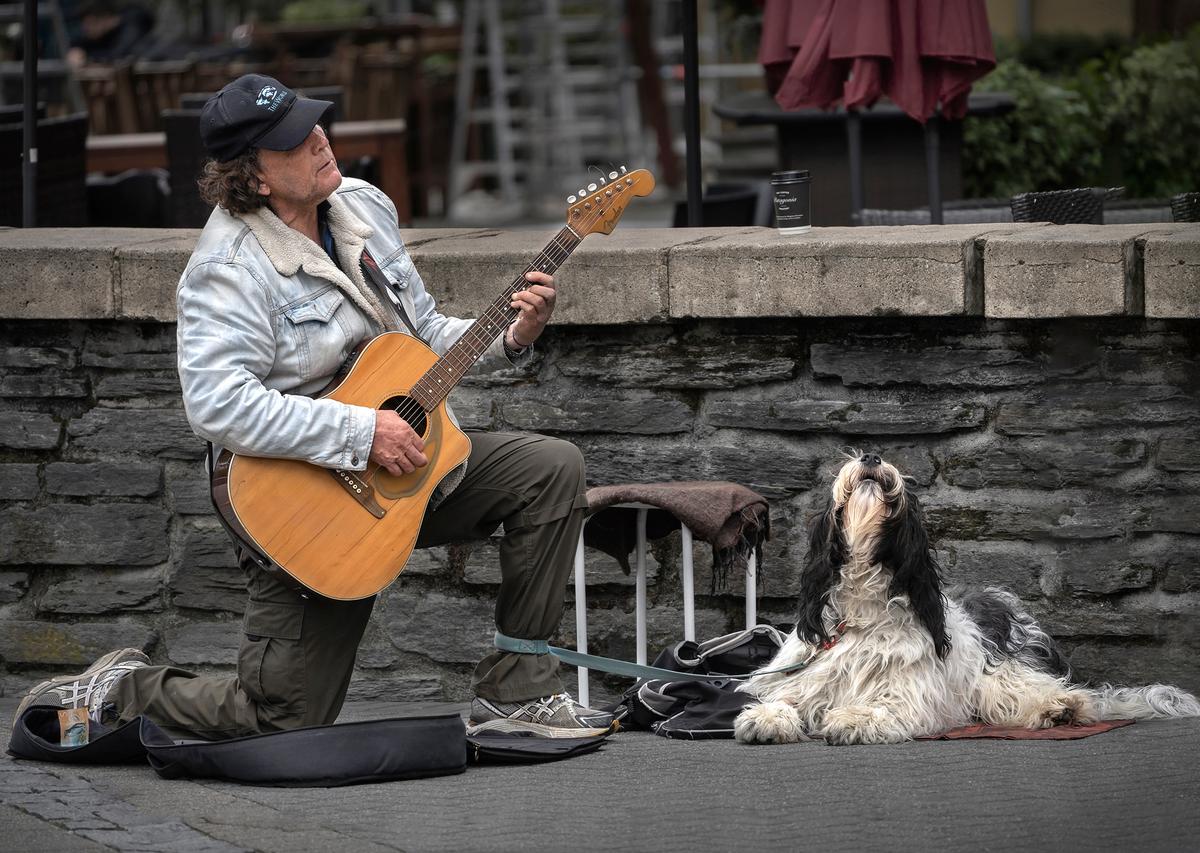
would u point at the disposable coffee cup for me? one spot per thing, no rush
(793, 201)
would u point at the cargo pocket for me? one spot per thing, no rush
(271, 666)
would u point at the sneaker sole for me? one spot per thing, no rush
(515, 726)
(106, 661)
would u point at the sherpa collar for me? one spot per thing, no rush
(289, 250)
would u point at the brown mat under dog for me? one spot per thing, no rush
(1016, 733)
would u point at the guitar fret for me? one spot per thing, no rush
(438, 381)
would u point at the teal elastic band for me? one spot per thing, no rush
(618, 667)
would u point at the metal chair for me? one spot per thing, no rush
(1185, 207)
(1064, 207)
(687, 574)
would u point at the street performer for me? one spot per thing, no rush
(270, 305)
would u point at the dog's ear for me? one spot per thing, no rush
(905, 550)
(826, 554)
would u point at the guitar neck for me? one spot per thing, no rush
(440, 379)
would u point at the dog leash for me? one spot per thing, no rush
(636, 670)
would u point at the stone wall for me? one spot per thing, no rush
(1042, 391)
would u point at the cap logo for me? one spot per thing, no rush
(270, 97)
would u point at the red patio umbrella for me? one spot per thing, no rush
(922, 54)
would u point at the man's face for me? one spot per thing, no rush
(302, 177)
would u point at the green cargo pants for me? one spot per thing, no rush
(297, 650)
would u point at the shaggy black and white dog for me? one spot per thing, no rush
(910, 661)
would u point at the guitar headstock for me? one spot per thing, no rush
(597, 207)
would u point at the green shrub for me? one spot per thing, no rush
(321, 11)
(1050, 141)
(1152, 115)
(1131, 118)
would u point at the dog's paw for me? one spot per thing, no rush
(769, 722)
(861, 724)
(1066, 709)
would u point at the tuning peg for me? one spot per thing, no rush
(612, 176)
(623, 170)
(571, 199)
(591, 188)
(582, 192)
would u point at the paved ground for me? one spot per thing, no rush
(1136, 788)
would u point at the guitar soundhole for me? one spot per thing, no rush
(410, 410)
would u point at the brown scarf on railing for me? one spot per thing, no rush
(731, 518)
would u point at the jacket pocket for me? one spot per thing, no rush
(319, 336)
(271, 660)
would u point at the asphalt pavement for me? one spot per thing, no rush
(1131, 789)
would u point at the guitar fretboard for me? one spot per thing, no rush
(440, 379)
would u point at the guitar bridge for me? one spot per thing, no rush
(359, 489)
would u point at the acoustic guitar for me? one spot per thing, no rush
(348, 534)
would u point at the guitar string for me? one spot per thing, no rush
(410, 408)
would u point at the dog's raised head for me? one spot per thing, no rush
(873, 519)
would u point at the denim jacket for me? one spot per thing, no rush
(265, 319)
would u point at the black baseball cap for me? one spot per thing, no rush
(257, 111)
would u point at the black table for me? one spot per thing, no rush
(894, 151)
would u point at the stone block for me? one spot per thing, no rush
(204, 643)
(1176, 558)
(617, 279)
(61, 273)
(638, 413)
(59, 643)
(132, 479)
(127, 386)
(1016, 567)
(1171, 270)
(1065, 271)
(130, 346)
(1104, 568)
(72, 534)
(1050, 462)
(721, 363)
(444, 628)
(208, 576)
(18, 481)
(1178, 453)
(1023, 515)
(637, 459)
(37, 358)
(375, 650)
(1089, 406)
(938, 366)
(149, 272)
(851, 272)
(13, 586)
(867, 417)
(774, 468)
(43, 384)
(150, 432)
(396, 688)
(103, 591)
(474, 407)
(1113, 661)
(29, 431)
(1177, 512)
(187, 484)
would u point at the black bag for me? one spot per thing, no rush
(699, 710)
(317, 756)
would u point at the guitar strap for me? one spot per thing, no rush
(387, 290)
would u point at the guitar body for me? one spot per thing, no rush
(345, 534)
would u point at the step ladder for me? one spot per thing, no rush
(544, 89)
